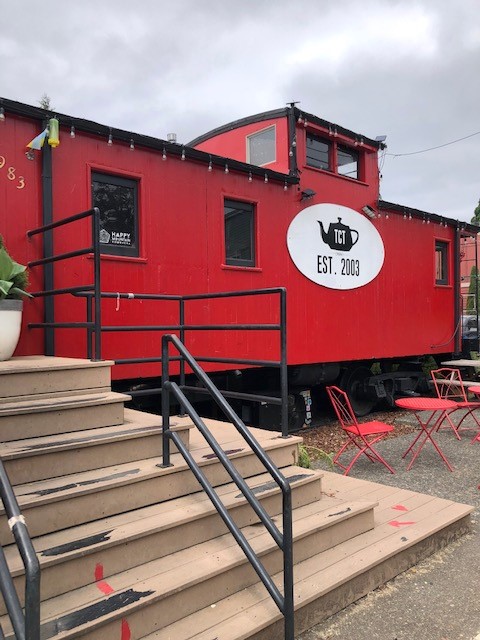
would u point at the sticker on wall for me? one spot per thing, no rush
(335, 246)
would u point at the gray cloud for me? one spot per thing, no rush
(406, 68)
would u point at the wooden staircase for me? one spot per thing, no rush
(130, 550)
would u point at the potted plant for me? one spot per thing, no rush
(13, 284)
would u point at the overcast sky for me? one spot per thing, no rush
(404, 68)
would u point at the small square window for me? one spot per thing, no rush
(347, 162)
(318, 152)
(441, 262)
(239, 233)
(117, 199)
(261, 147)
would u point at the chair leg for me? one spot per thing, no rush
(448, 419)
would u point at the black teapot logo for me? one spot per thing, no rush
(338, 236)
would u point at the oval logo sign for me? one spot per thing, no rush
(335, 246)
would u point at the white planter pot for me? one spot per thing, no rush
(10, 325)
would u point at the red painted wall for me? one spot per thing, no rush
(401, 312)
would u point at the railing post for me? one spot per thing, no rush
(88, 301)
(165, 404)
(283, 362)
(288, 604)
(97, 291)
(182, 339)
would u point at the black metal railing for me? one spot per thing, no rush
(26, 625)
(183, 329)
(284, 538)
(93, 319)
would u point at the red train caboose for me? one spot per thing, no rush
(280, 199)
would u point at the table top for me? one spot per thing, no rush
(461, 363)
(425, 404)
(475, 388)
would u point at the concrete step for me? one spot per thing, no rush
(35, 418)
(138, 438)
(163, 591)
(46, 375)
(72, 558)
(329, 581)
(60, 503)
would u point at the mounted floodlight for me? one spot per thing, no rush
(368, 211)
(307, 194)
(380, 138)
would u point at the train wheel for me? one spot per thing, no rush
(352, 381)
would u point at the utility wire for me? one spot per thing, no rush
(413, 153)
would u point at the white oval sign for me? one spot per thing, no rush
(335, 246)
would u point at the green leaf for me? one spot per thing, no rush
(5, 265)
(4, 288)
(16, 269)
(19, 292)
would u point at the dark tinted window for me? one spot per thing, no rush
(318, 152)
(239, 233)
(347, 162)
(441, 262)
(117, 199)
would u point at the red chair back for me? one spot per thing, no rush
(449, 384)
(343, 408)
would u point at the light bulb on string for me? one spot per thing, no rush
(110, 139)
(266, 178)
(305, 123)
(164, 154)
(183, 154)
(299, 121)
(227, 169)
(335, 132)
(72, 131)
(210, 167)
(285, 186)
(250, 177)
(409, 216)
(2, 114)
(294, 141)
(132, 145)
(290, 153)
(361, 142)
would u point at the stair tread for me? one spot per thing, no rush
(251, 610)
(136, 423)
(78, 541)
(158, 579)
(57, 404)
(36, 363)
(85, 482)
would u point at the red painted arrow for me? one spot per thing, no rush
(400, 507)
(396, 523)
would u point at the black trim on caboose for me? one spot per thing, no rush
(425, 215)
(149, 142)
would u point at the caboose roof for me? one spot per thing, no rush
(150, 142)
(283, 113)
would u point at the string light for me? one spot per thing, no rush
(299, 121)
(210, 167)
(183, 154)
(428, 220)
(285, 186)
(164, 154)
(305, 123)
(110, 138)
(386, 216)
(409, 215)
(330, 131)
(2, 114)
(290, 153)
(335, 132)
(72, 131)
(250, 177)
(294, 141)
(266, 178)
(356, 141)
(132, 145)
(361, 142)
(226, 168)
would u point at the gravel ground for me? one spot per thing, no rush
(438, 599)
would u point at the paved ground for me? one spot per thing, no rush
(438, 599)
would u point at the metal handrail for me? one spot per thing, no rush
(284, 538)
(183, 328)
(93, 324)
(25, 625)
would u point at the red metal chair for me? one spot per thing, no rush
(362, 436)
(450, 386)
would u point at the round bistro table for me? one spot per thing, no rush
(437, 409)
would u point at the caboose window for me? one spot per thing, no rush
(347, 162)
(441, 262)
(318, 152)
(261, 147)
(117, 199)
(239, 233)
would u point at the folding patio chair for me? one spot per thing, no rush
(362, 436)
(450, 386)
